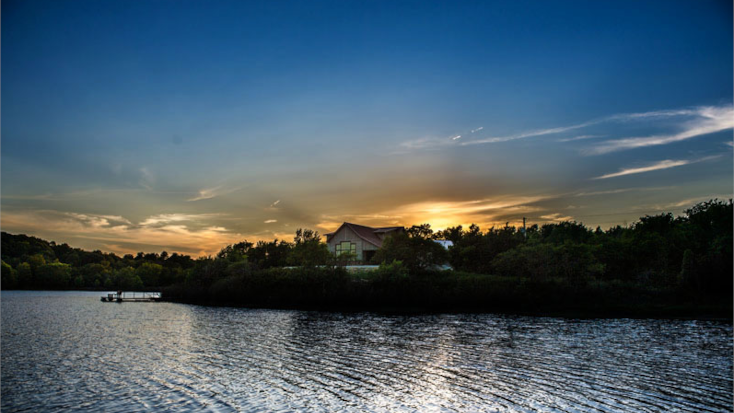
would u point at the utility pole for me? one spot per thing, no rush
(524, 231)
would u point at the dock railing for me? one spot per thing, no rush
(138, 295)
(132, 296)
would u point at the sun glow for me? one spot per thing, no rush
(483, 212)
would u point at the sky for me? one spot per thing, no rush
(189, 125)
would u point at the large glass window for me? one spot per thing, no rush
(346, 247)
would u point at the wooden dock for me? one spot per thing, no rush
(131, 297)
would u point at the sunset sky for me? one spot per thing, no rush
(187, 125)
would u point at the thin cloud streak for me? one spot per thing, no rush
(273, 206)
(541, 132)
(582, 137)
(424, 143)
(709, 120)
(174, 218)
(653, 114)
(212, 193)
(621, 190)
(205, 194)
(666, 164)
(706, 120)
(556, 217)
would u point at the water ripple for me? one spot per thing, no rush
(68, 351)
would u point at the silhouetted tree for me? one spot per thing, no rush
(415, 252)
(420, 231)
(308, 250)
(235, 252)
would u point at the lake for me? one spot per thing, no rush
(68, 351)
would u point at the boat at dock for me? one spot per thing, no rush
(126, 296)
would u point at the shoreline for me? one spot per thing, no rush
(680, 312)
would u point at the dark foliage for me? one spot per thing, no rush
(415, 251)
(660, 260)
(308, 250)
(33, 263)
(692, 252)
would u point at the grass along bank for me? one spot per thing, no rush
(391, 288)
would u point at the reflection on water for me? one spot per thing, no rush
(69, 351)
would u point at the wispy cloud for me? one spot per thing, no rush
(273, 206)
(433, 142)
(424, 143)
(666, 164)
(99, 221)
(556, 217)
(147, 179)
(205, 194)
(270, 221)
(162, 219)
(691, 122)
(706, 120)
(653, 114)
(660, 165)
(539, 132)
(209, 193)
(579, 138)
(188, 233)
(621, 190)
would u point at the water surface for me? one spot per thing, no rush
(68, 351)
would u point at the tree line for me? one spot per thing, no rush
(691, 253)
(36, 264)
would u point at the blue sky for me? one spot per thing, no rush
(184, 125)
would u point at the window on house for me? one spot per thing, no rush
(346, 247)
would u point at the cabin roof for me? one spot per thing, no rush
(367, 234)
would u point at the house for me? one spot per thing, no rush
(359, 240)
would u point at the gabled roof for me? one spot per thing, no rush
(386, 229)
(367, 234)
